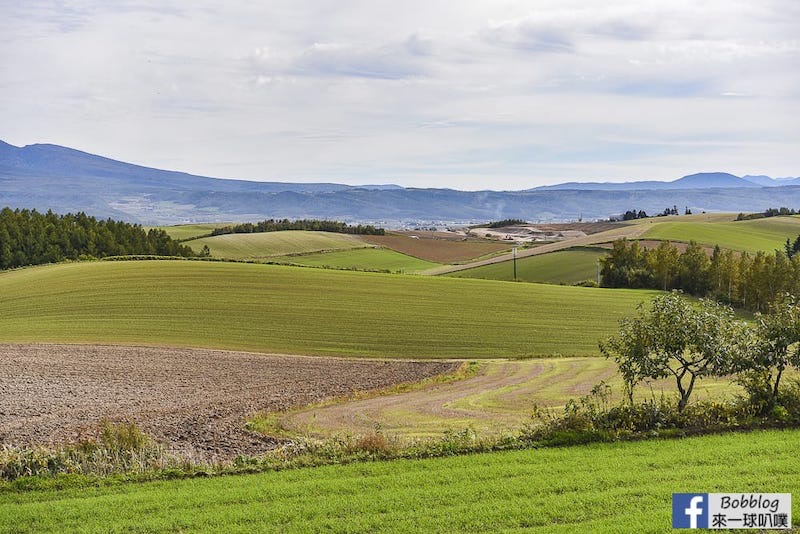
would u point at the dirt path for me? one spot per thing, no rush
(194, 400)
(630, 231)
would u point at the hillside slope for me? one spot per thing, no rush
(268, 244)
(298, 310)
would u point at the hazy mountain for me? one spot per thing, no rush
(701, 180)
(766, 181)
(53, 177)
(52, 161)
(602, 186)
(710, 179)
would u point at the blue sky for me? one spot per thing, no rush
(467, 95)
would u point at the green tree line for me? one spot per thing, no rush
(749, 281)
(274, 225)
(28, 237)
(506, 222)
(769, 212)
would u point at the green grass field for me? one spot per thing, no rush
(188, 231)
(765, 234)
(617, 487)
(563, 267)
(268, 244)
(304, 311)
(364, 258)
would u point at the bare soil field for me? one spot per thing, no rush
(430, 234)
(195, 401)
(437, 249)
(586, 227)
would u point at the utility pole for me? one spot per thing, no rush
(515, 264)
(598, 272)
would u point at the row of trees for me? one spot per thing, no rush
(506, 222)
(769, 212)
(740, 279)
(274, 225)
(632, 215)
(28, 237)
(675, 338)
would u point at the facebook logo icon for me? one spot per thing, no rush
(690, 510)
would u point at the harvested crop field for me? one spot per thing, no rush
(262, 245)
(195, 401)
(499, 398)
(436, 249)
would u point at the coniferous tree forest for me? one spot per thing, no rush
(28, 237)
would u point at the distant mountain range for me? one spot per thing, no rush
(701, 180)
(63, 179)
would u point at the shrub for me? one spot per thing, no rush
(591, 418)
(121, 448)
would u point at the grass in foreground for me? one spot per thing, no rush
(617, 487)
(564, 267)
(751, 236)
(364, 258)
(294, 310)
(268, 244)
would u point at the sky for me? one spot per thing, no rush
(469, 95)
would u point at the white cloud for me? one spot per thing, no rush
(390, 61)
(426, 93)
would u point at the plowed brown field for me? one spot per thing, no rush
(195, 401)
(437, 249)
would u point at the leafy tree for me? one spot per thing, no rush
(626, 266)
(723, 274)
(693, 270)
(758, 296)
(633, 214)
(675, 338)
(665, 264)
(791, 248)
(773, 349)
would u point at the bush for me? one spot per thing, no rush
(591, 418)
(790, 401)
(121, 448)
(758, 389)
